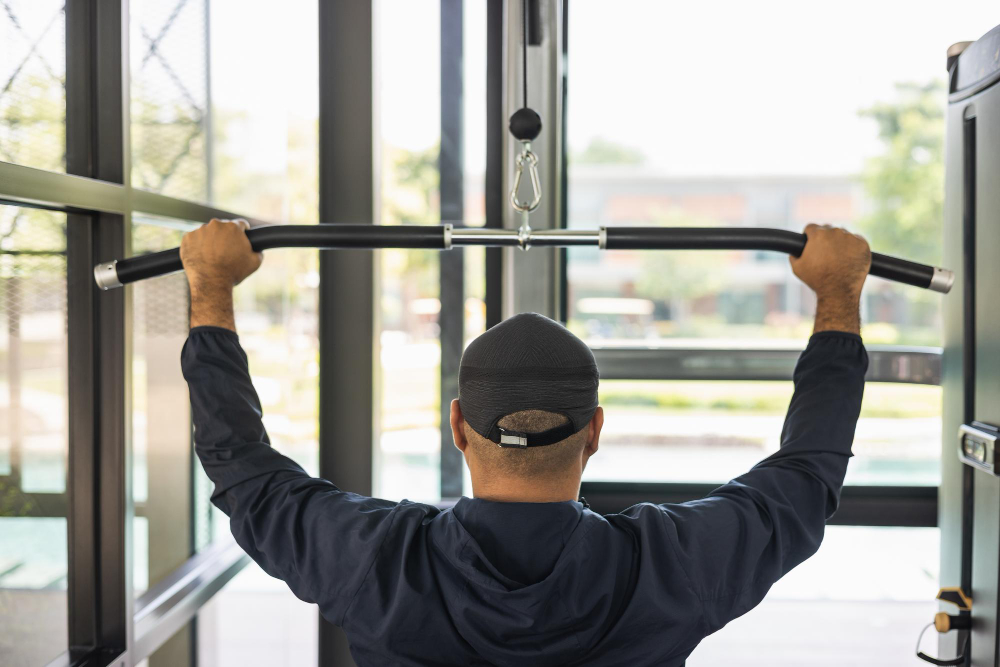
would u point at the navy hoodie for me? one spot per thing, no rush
(525, 584)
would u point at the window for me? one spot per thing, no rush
(659, 431)
(410, 350)
(724, 141)
(162, 477)
(33, 435)
(206, 129)
(409, 458)
(33, 83)
(203, 128)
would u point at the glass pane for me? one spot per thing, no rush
(857, 140)
(175, 652)
(276, 316)
(33, 436)
(408, 63)
(204, 124)
(170, 97)
(408, 462)
(714, 431)
(255, 620)
(811, 617)
(161, 416)
(33, 83)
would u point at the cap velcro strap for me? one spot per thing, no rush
(521, 440)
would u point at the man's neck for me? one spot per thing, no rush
(526, 492)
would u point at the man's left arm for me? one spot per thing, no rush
(320, 540)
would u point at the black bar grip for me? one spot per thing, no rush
(779, 240)
(122, 272)
(118, 273)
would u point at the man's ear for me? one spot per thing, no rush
(596, 424)
(458, 426)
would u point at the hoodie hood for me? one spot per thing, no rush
(533, 588)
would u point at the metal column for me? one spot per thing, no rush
(347, 344)
(496, 141)
(100, 489)
(451, 317)
(531, 279)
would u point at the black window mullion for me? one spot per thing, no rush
(909, 506)
(451, 318)
(99, 481)
(347, 279)
(495, 142)
(82, 518)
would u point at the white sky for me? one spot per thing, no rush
(753, 87)
(265, 65)
(722, 87)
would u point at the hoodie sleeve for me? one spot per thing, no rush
(320, 540)
(745, 535)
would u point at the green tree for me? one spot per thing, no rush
(603, 151)
(678, 277)
(906, 182)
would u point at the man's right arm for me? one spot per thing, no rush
(735, 543)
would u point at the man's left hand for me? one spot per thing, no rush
(218, 255)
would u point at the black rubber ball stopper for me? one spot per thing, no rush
(525, 124)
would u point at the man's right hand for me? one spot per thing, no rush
(834, 264)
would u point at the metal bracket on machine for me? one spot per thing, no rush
(977, 446)
(944, 622)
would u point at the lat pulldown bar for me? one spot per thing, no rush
(443, 237)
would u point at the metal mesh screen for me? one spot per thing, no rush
(170, 102)
(33, 83)
(160, 306)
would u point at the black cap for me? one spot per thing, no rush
(527, 362)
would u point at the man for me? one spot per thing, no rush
(524, 574)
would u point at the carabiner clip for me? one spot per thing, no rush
(536, 186)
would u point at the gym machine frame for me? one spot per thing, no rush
(116, 273)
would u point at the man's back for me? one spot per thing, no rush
(528, 583)
(531, 583)
(556, 584)
(521, 584)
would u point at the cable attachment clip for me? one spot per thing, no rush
(529, 158)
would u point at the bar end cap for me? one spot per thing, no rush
(106, 275)
(942, 280)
